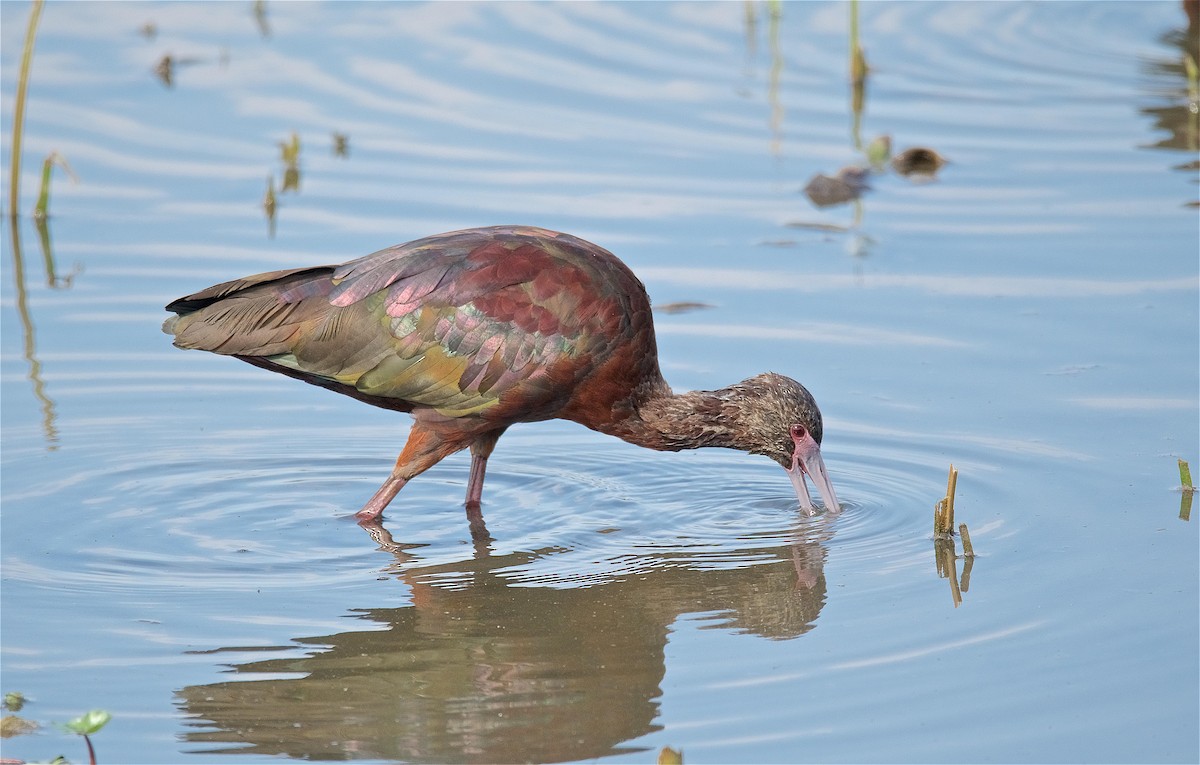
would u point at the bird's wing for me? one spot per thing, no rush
(460, 323)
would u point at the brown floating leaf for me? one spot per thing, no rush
(11, 725)
(918, 161)
(846, 186)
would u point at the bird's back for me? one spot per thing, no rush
(506, 324)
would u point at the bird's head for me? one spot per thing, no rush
(780, 419)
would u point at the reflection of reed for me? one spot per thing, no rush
(53, 281)
(30, 341)
(946, 559)
(774, 16)
(775, 73)
(858, 78)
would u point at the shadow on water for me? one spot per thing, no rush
(479, 670)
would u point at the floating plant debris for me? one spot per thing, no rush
(848, 185)
(165, 69)
(341, 145)
(12, 725)
(667, 755)
(14, 700)
(918, 161)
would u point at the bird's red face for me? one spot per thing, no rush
(806, 461)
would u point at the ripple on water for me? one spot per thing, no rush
(237, 513)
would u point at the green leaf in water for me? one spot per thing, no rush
(879, 151)
(14, 700)
(88, 723)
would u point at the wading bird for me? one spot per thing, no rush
(475, 330)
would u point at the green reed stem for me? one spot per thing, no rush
(14, 165)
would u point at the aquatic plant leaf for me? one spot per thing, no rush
(14, 700)
(879, 151)
(89, 722)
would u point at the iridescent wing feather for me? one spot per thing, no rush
(499, 322)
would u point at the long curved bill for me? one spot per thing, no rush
(806, 461)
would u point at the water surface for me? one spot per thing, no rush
(176, 547)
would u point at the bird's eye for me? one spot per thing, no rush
(798, 431)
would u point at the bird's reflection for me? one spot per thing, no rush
(477, 669)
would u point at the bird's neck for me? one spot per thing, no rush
(670, 422)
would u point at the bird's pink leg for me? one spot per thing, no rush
(423, 450)
(481, 449)
(375, 505)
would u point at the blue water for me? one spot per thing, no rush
(174, 530)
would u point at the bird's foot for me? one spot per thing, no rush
(375, 505)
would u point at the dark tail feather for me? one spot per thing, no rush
(278, 280)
